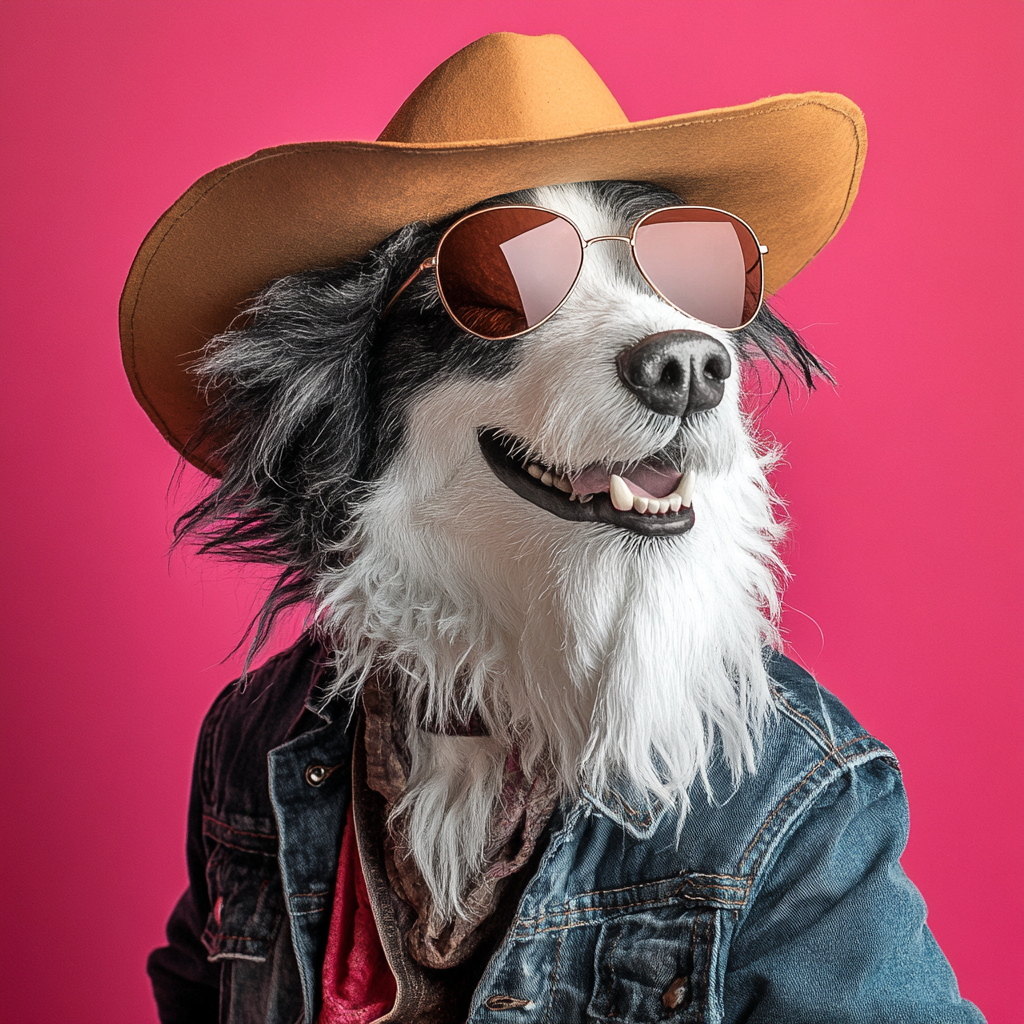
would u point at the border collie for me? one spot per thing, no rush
(443, 503)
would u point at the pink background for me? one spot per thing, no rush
(904, 483)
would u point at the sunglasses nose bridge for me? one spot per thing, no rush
(606, 238)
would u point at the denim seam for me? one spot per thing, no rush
(638, 821)
(842, 763)
(693, 952)
(553, 978)
(241, 849)
(238, 831)
(215, 957)
(825, 738)
(625, 906)
(743, 880)
(676, 894)
(836, 755)
(709, 928)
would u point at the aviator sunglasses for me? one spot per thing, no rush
(505, 270)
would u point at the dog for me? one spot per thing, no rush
(538, 753)
(384, 451)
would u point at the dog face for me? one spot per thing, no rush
(618, 382)
(450, 502)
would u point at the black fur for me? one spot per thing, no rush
(308, 395)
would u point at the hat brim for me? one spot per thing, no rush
(788, 165)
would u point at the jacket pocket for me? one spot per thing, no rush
(654, 966)
(244, 885)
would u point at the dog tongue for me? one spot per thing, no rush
(645, 479)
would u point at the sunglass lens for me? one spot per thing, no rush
(705, 262)
(503, 271)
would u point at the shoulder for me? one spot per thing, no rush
(256, 713)
(813, 751)
(810, 749)
(808, 715)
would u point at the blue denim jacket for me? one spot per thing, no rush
(782, 901)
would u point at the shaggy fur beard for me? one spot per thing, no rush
(617, 659)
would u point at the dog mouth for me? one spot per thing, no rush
(650, 497)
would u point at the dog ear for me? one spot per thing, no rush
(292, 417)
(768, 336)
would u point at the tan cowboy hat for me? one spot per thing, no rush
(508, 112)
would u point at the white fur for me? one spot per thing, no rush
(612, 656)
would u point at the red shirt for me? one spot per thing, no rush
(358, 986)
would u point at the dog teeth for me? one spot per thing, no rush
(619, 492)
(550, 478)
(684, 489)
(624, 499)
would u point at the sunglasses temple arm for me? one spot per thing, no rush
(425, 265)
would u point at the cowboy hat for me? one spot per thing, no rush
(508, 112)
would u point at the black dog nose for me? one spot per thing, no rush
(676, 372)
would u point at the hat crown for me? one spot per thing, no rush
(507, 86)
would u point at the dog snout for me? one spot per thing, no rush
(676, 372)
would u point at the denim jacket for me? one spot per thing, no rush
(780, 901)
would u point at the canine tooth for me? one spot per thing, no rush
(534, 470)
(619, 492)
(640, 504)
(562, 483)
(548, 478)
(685, 487)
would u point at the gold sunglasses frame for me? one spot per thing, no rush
(431, 263)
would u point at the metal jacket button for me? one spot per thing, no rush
(316, 774)
(674, 994)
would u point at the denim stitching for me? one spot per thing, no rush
(238, 831)
(625, 906)
(563, 910)
(707, 965)
(810, 721)
(241, 849)
(640, 822)
(836, 754)
(553, 979)
(743, 879)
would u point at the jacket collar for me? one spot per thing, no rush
(638, 813)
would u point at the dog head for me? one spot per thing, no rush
(456, 507)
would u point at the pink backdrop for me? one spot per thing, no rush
(904, 483)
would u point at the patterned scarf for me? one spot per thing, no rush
(517, 822)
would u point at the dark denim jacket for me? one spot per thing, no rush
(782, 902)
